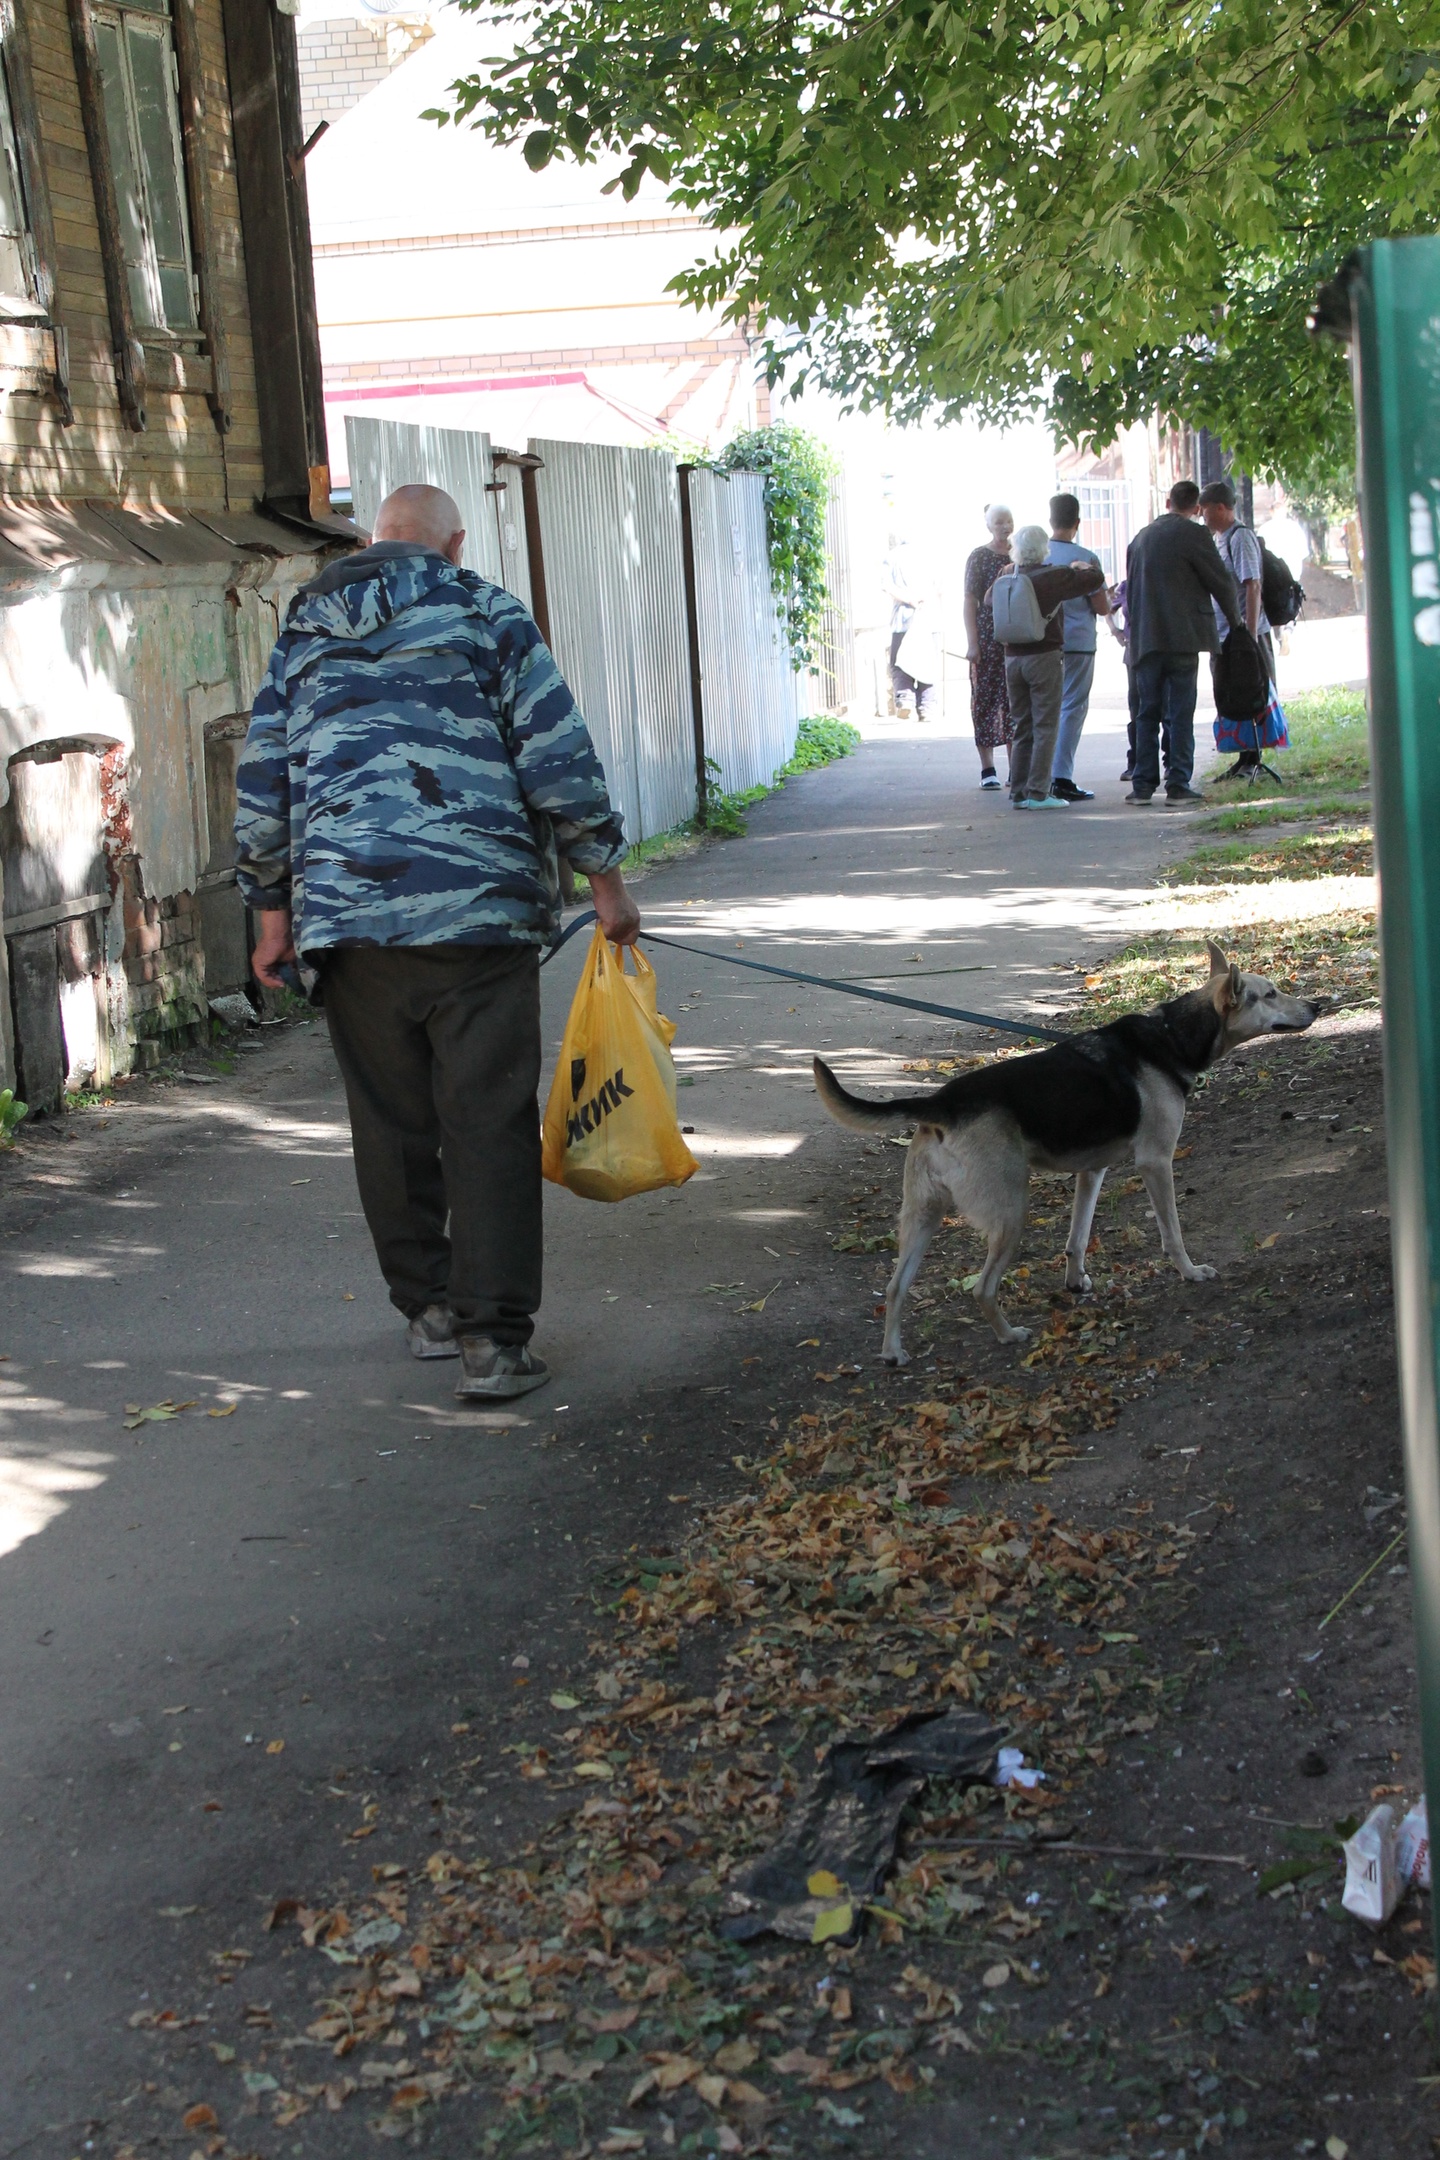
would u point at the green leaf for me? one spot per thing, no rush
(1100, 213)
(1291, 1871)
(831, 1921)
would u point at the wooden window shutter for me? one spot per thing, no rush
(202, 216)
(127, 351)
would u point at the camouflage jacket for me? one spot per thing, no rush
(413, 762)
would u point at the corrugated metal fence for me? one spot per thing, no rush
(747, 685)
(640, 647)
(614, 572)
(386, 454)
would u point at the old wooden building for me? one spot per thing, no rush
(163, 489)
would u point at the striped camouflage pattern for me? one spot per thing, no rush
(414, 760)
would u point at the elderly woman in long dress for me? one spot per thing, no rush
(989, 707)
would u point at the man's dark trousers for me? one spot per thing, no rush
(1165, 689)
(439, 1049)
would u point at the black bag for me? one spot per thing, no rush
(1281, 595)
(1242, 682)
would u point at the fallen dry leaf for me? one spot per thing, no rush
(155, 1413)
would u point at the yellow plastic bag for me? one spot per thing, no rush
(610, 1124)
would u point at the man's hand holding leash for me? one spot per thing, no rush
(615, 911)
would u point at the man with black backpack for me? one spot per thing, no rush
(1261, 577)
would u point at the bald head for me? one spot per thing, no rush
(425, 516)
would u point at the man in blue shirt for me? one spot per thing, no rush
(1079, 637)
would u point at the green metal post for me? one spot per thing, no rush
(1395, 295)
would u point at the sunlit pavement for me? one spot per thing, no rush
(321, 1549)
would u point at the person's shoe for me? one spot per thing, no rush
(432, 1333)
(990, 778)
(1071, 793)
(1049, 802)
(1180, 798)
(1140, 795)
(1127, 776)
(496, 1371)
(1023, 802)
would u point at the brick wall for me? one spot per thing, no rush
(165, 967)
(342, 60)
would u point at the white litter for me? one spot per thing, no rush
(1010, 1769)
(1383, 1860)
(1412, 1848)
(234, 1010)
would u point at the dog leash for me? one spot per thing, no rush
(820, 982)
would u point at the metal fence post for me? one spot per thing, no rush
(692, 631)
(1394, 295)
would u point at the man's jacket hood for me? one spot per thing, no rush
(359, 594)
(413, 762)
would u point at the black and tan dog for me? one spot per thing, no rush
(1112, 1094)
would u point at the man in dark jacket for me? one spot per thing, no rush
(1172, 573)
(1035, 670)
(413, 764)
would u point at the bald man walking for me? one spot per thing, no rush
(414, 766)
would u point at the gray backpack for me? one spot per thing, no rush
(1016, 610)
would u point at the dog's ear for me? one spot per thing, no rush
(1227, 987)
(1219, 965)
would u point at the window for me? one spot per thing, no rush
(1104, 521)
(139, 91)
(17, 258)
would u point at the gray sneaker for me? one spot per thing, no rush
(432, 1333)
(498, 1370)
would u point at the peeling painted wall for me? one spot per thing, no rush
(143, 658)
(137, 662)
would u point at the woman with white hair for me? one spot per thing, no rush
(989, 707)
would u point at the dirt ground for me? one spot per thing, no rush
(1121, 1546)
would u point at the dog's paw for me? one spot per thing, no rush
(1201, 1273)
(1015, 1335)
(894, 1358)
(1080, 1284)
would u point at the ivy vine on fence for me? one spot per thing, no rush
(797, 471)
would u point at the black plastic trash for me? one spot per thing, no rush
(848, 1823)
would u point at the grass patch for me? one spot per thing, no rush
(1334, 957)
(1265, 810)
(1342, 851)
(1329, 742)
(821, 740)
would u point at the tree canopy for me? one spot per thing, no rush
(1088, 208)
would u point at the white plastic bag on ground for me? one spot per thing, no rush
(1372, 1879)
(1412, 1848)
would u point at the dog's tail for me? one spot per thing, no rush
(853, 1110)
